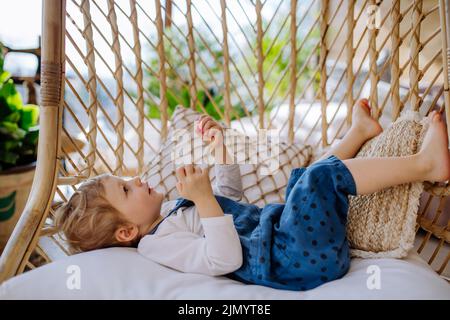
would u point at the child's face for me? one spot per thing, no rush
(138, 202)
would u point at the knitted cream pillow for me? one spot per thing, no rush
(382, 224)
(258, 189)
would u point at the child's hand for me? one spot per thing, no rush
(210, 130)
(193, 182)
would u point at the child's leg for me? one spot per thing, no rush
(363, 128)
(348, 147)
(431, 163)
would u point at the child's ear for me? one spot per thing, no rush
(126, 233)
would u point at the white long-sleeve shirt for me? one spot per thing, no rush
(188, 243)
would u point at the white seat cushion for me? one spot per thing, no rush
(121, 273)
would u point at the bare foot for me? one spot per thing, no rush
(363, 121)
(434, 152)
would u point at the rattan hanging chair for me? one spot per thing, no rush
(105, 64)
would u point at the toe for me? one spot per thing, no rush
(364, 103)
(430, 116)
(436, 117)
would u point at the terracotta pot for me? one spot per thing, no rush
(15, 186)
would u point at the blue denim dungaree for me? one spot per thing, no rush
(302, 243)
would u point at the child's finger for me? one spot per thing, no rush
(205, 122)
(179, 186)
(198, 123)
(209, 125)
(202, 122)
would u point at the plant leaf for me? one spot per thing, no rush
(13, 117)
(9, 157)
(12, 97)
(12, 129)
(30, 115)
(4, 76)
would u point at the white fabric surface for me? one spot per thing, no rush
(122, 273)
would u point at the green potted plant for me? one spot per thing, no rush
(18, 151)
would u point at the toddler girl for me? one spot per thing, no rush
(297, 245)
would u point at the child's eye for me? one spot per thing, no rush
(125, 189)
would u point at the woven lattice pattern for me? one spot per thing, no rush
(236, 61)
(258, 188)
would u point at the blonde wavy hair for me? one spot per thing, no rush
(87, 221)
